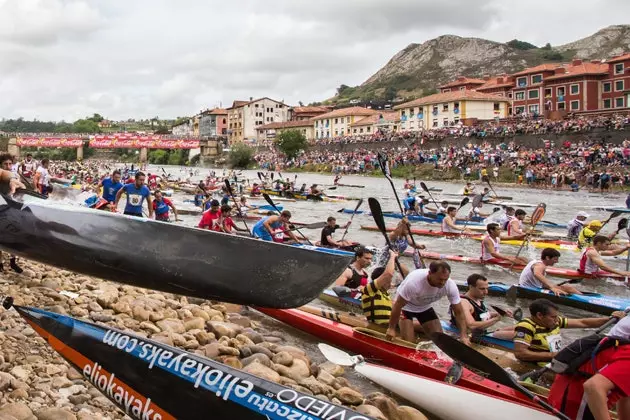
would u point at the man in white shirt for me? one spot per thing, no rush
(416, 296)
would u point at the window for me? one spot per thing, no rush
(575, 105)
(348, 119)
(256, 105)
(532, 94)
(561, 91)
(360, 131)
(619, 102)
(510, 95)
(606, 87)
(519, 109)
(445, 107)
(435, 123)
(368, 129)
(446, 90)
(336, 132)
(336, 120)
(575, 89)
(561, 106)
(537, 78)
(435, 109)
(533, 109)
(548, 92)
(462, 88)
(445, 122)
(519, 96)
(497, 106)
(456, 120)
(618, 85)
(619, 68)
(521, 82)
(223, 120)
(607, 103)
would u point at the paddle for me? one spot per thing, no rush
(536, 374)
(377, 214)
(229, 190)
(516, 315)
(487, 179)
(382, 160)
(272, 204)
(628, 257)
(479, 363)
(332, 188)
(31, 193)
(424, 187)
(537, 216)
(612, 216)
(351, 217)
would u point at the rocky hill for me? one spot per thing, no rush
(418, 69)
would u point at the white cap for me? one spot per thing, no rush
(583, 214)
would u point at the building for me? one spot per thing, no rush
(451, 108)
(615, 86)
(527, 90)
(245, 116)
(498, 85)
(271, 130)
(462, 83)
(383, 122)
(184, 128)
(213, 122)
(302, 113)
(337, 123)
(574, 87)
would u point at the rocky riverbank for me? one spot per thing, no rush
(36, 383)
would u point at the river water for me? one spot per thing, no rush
(561, 208)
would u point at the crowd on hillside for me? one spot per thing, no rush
(570, 164)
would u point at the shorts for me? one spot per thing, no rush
(422, 317)
(264, 235)
(162, 217)
(133, 214)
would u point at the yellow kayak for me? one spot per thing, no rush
(559, 245)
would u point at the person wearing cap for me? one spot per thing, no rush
(210, 218)
(576, 225)
(267, 227)
(591, 262)
(585, 238)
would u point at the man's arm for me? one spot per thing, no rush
(617, 251)
(524, 354)
(539, 273)
(386, 278)
(150, 205)
(171, 205)
(399, 303)
(473, 324)
(118, 195)
(341, 280)
(596, 258)
(460, 319)
(592, 322)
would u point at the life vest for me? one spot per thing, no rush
(376, 304)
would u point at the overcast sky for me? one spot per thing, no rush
(65, 59)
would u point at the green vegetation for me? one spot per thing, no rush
(521, 45)
(168, 156)
(60, 153)
(241, 156)
(291, 143)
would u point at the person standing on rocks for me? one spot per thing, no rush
(8, 184)
(136, 194)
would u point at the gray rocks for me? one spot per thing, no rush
(349, 396)
(262, 371)
(54, 413)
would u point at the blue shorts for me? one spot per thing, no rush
(263, 234)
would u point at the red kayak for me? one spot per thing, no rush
(419, 362)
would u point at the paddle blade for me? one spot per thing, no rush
(477, 201)
(622, 224)
(465, 201)
(332, 188)
(538, 214)
(336, 356)
(269, 200)
(518, 314)
(499, 310)
(472, 359)
(424, 186)
(229, 187)
(377, 214)
(614, 214)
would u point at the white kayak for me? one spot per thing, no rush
(510, 204)
(446, 401)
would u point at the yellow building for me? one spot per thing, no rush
(338, 122)
(451, 108)
(270, 131)
(382, 122)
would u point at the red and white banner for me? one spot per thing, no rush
(49, 142)
(129, 141)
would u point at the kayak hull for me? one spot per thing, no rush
(165, 256)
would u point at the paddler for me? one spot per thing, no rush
(161, 207)
(315, 191)
(337, 178)
(505, 219)
(515, 228)
(28, 166)
(575, 226)
(136, 194)
(210, 218)
(490, 247)
(8, 185)
(400, 239)
(478, 317)
(591, 262)
(354, 276)
(327, 232)
(226, 222)
(41, 180)
(267, 227)
(110, 187)
(243, 206)
(588, 233)
(416, 296)
(375, 299)
(469, 189)
(448, 223)
(601, 382)
(255, 192)
(535, 274)
(537, 338)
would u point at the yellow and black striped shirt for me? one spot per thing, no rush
(376, 304)
(529, 333)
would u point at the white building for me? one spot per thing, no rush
(183, 129)
(245, 116)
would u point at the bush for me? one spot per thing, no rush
(291, 143)
(241, 156)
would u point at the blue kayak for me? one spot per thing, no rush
(611, 209)
(354, 304)
(332, 251)
(589, 301)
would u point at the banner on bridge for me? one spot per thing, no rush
(138, 142)
(49, 142)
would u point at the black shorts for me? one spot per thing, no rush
(128, 213)
(422, 317)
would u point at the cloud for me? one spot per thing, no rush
(65, 59)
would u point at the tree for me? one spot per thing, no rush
(97, 118)
(342, 88)
(158, 157)
(521, 45)
(241, 155)
(291, 142)
(546, 47)
(300, 103)
(85, 126)
(390, 93)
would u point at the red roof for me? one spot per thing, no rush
(578, 70)
(457, 95)
(346, 112)
(537, 69)
(311, 109)
(373, 119)
(460, 81)
(619, 58)
(218, 111)
(286, 124)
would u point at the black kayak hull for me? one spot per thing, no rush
(166, 257)
(153, 381)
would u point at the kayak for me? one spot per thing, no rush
(589, 301)
(439, 233)
(283, 199)
(165, 256)
(500, 197)
(354, 305)
(437, 219)
(349, 186)
(442, 399)
(150, 380)
(558, 244)
(611, 209)
(408, 359)
(300, 196)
